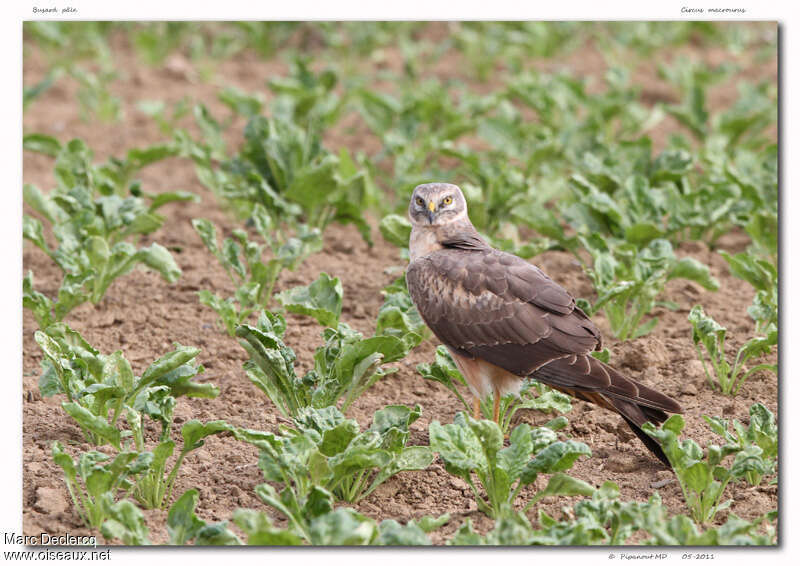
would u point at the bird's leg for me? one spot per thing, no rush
(476, 408)
(497, 406)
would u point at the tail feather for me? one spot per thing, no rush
(590, 379)
(635, 416)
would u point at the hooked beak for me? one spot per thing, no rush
(431, 208)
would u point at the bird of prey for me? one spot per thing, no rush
(503, 319)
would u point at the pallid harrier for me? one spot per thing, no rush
(503, 319)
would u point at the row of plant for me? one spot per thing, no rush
(324, 457)
(626, 209)
(83, 51)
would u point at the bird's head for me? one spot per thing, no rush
(437, 204)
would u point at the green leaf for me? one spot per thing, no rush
(158, 258)
(182, 524)
(32, 230)
(343, 527)
(642, 233)
(167, 363)
(392, 533)
(322, 300)
(40, 203)
(96, 425)
(562, 484)
(208, 233)
(41, 143)
(180, 382)
(216, 535)
(429, 524)
(260, 532)
(159, 200)
(557, 457)
(194, 432)
(514, 458)
(690, 268)
(396, 230)
(241, 103)
(125, 523)
(459, 447)
(697, 477)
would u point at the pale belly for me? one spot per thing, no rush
(484, 378)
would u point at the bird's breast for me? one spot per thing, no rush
(422, 242)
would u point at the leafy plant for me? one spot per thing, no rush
(443, 370)
(414, 128)
(154, 488)
(284, 167)
(95, 96)
(94, 480)
(709, 333)
(629, 280)
(126, 523)
(305, 97)
(703, 479)
(314, 521)
(605, 520)
(345, 366)
(398, 316)
(91, 221)
(183, 525)
(242, 259)
(326, 450)
(468, 446)
(681, 531)
(758, 441)
(317, 523)
(763, 276)
(100, 389)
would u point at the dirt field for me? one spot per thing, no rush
(142, 315)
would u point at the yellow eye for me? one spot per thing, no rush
(447, 200)
(420, 202)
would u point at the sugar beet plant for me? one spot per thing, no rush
(344, 367)
(704, 477)
(468, 446)
(284, 167)
(109, 403)
(91, 220)
(101, 389)
(326, 450)
(243, 261)
(758, 441)
(604, 519)
(709, 334)
(628, 281)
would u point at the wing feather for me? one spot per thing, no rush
(498, 307)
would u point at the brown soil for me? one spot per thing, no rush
(142, 315)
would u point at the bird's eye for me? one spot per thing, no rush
(447, 200)
(420, 202)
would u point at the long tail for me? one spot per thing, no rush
(590, 379)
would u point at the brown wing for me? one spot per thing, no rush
(498, 307)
